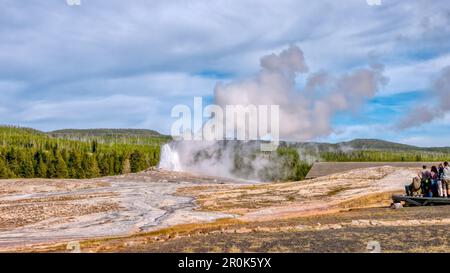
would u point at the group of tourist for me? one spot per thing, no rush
(431, 183)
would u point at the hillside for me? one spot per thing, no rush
(367, 144)
(376, 144)
(128, 136)
(28, 153)
(368, 150)
(105, 132)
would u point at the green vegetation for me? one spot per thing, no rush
(115, 136)
(384, 156)
(74, 153)
(370, 150)
(292, 161)
(285, 165)
(28, 153)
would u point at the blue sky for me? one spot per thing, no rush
(125, 64)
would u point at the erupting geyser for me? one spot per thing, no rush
(170, 159)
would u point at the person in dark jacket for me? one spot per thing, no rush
(425, 177)
(434, 177)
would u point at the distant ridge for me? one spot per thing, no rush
(356, 144)
(15, 129)
(377, 144)
(105, 132)
(364, 144)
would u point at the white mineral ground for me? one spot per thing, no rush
(36, 211)
(40, 211)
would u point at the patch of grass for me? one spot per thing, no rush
(291, 198)
(336, 191)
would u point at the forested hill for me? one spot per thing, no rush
(376, 144)
(75, 153)
(366, 145)
(106, 132)
(28, 153)
(129, 136)
(367, 150)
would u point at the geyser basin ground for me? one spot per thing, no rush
(43, 215)
(36, 211)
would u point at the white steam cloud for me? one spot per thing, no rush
(437, 105)
(218, 158)
(305, 113)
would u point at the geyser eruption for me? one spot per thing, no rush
(305, 113)
(170, 160)
(231, 159)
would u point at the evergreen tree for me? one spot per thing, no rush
(60, 167)
(5, 172)
(126, 166)
(75, 165)
(25, 161)
(30, 153)
(51, 165)
(118, 163)
(12, 162)
(94, 146)
(90, 166)
(137, 161)
(40, 168)
(103, 164)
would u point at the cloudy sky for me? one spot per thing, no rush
(125, 64)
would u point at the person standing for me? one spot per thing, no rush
(434, 177)
(446, 180)
(425, 177)
(439, 182)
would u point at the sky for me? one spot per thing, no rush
(125, 64)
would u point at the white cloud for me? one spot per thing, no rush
(154, 49)
(416, 75)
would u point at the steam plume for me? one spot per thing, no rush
(304, 114)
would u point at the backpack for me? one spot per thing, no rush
(426, 184)
(416, 184)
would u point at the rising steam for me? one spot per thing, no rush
(305, 113)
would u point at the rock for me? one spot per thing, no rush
(336, 226)
(243, 230)
(396, 206)
(301, 227)
(360, 223)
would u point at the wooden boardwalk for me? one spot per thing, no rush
(320, 169)
(420, 201)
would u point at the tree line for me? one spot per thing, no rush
(384, 156)
(30, 154)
